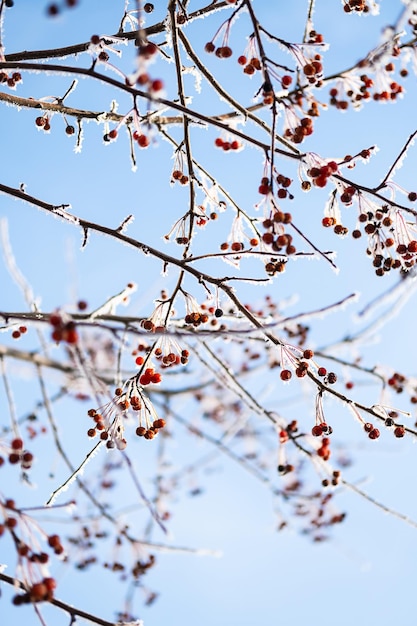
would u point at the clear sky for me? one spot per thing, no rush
(365, 573)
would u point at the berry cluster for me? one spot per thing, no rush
(43, 121)
(334, 481)
(111, 430)
(149, 325)
(10, 79)
(63, 330)
(148, 51)
(347, 194)
(99, 424)
(390, 90)
(298, 133)
(154, 85)
(238, 246)
(31, 560)
(315, 37)
(223, 52)
(284, 469)
(17, 454)
(18, 332)
(373, 433)
(54, 9)
(42, 591)
(320, 175)
(399, 431)
(313, 70)
(283, 183)
(196, 318)
(301, 366)
(374, 223)
(149, 377)
(267, 93)
(178, 175)
(274, 266)
(152, 431)
(141, 77)
(360, 6)
(299, 332)
(172, 358)
(250, 66)
(324, 450)
(227, 145)
(141, 139)
(396, 382)
(321, 429)
(330, 378)
(98, 47)
(275, 235)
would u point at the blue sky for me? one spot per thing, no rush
(366, 571)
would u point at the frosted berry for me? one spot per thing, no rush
(143, 141)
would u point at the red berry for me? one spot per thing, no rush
(320, 181)
(264, 189)
(142, 79)
(224, 52)
(150, 49)
(399, 431)
(157, 85)
(55, 320)
(143, 141)
(285, 374)
(71, 336)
